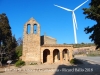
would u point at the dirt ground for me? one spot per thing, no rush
(87, 68)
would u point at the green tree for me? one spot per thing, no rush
(93, 13)
(20, 41)
(19, 48)
(18, 51)
(7, 41)
(14, 45)
(82, 43)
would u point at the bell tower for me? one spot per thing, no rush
(31, 42)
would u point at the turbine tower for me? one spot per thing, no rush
(73, 17)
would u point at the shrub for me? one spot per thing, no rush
(33, 63)
(20, 63)
(72, 61)
(75, 61)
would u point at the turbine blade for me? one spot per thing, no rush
(75, 20)
(80, 5)
(75, 37)
(63, 7)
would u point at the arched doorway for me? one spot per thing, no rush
(56, 55)
(65, 55)
(46, 54)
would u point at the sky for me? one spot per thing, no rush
(54, 22)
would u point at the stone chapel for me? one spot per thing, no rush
(43, 49)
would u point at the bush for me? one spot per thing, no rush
(20, 63)
(33, 64)
(75, 61)
(72, 61)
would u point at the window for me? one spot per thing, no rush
(35, 28)
(28, 28)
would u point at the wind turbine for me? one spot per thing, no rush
(73, 17)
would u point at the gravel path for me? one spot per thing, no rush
(88, 68)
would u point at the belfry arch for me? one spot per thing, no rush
(35, 28)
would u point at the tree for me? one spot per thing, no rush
(18, 51)
(20, 41)
(19, 48)
(82, 43)
(65, 43)
(7, 41)
(5, 30)
(14, 45)
(93, 13)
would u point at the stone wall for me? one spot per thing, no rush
(58, 47)
(31, 43)
(48, 40)
(39, 50)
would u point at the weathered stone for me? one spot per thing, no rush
(45, 49)
(31, 42)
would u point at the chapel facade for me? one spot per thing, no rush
(43, 49)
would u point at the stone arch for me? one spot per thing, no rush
(46, 55)
(35, 28)
(56, 55)
(28, 28)
(65, 55)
